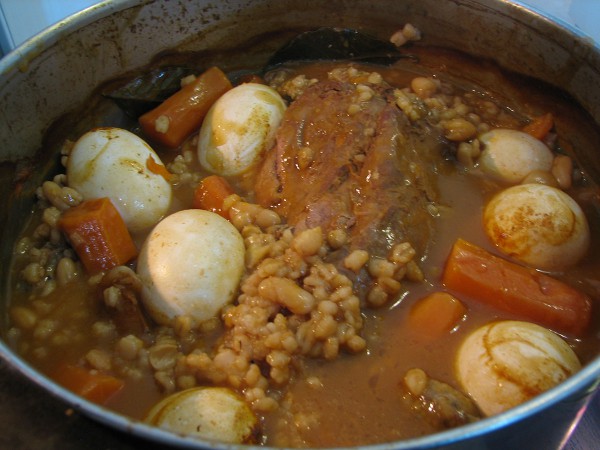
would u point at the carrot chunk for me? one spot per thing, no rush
(158, 169)
(98, 234)
(471, 270)
(210, 194)
(171, 122)
(91, 385)
(436, 314)
(540, 126)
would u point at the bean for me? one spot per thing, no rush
(379, 267)
(33, 273)
(356, 343)
(337, 238)
(414, 272)
(42, 231)
(308, 242)
(252, 375)
(328, 307)
(331, 348)
(287, 293)
(165, 380)
(402, 253)
(398, 39)
(50, 216)
(163, 355)
(23, 317)
(415, 381)
(277, 358)
(325, 327)
(365, 93)
(462, 109)
(377, 296)
(23, 246)
(99, 359)
(459, 129)
(66, 271)
(562, 169)
(411, 32)
(305, 157)
(375, 78)
(423, 87)
(289, 344)
(356, 260)
(389, 285)
(129, 347)
(70, 196)
(266, 218)
(353, 109)
(104, 330)
(341, 293)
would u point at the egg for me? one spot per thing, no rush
(239, 128)
(190, 265)
(539, 225)
(214, 413)
(510, 155)
(503, 364)
(115, 163)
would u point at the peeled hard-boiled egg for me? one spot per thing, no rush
(239, 128)
(115, 163)
(504, 364)
(510, 155)
(538, 225)
(190, 265)
(214, 413)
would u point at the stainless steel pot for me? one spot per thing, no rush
(53, 72)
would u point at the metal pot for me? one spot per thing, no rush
(53, 72)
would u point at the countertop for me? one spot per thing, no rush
(30, 418)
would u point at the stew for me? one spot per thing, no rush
(295, 252)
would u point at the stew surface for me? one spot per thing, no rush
(345, 222)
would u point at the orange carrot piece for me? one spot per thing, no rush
(472, 271)
(158, 169)
(171, 122)
(540, 126)
(98, 234)
(91, 385)
(436, 314)
(210, 194)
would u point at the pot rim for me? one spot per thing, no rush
(580, 384)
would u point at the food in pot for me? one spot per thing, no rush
(510, 155)
(337, 287)
(115, 163)
(239, 128)
(190, 265)
(213, 413)
(503, 364)
(539, 225)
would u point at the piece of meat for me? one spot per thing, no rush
(121, 290)
(343, 160)
(441, 404)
